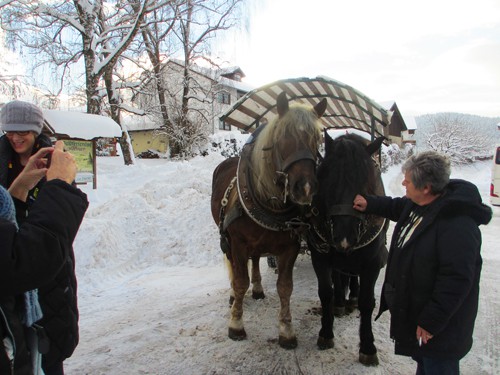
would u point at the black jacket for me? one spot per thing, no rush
(58, 298)
(435, 275)
(32, 257)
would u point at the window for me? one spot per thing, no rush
(224, 126)
(224, 97)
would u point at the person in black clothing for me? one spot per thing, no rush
(431, 285)
(22, 123)
(34, 254)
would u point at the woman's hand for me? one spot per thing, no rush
(33, 172)
(359, 203)
(423, 336)
(62, 165)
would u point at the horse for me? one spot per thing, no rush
(343, 241)
(258, 202)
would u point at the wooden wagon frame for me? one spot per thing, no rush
(347, 107)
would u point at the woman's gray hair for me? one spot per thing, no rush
(428, 168)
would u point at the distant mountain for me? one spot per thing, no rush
(473, 119)
(489, 126)
(461, 136)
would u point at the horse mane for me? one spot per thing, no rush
(349, 166)
(301, 123)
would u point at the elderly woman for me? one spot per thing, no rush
(431, 284)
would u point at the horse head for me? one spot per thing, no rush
(286, 151)
(346, 170)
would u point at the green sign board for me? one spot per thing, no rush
(84, 153)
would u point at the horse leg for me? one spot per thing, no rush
(324, 274)
(284, 284)
(352, 302)
(239, 283)
(340, 284)
(366, 304)
(257, 289)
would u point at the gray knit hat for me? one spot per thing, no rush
(21, 116)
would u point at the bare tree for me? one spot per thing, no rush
(12, 80)
(453, 135)
(62, 33)
(180, 105)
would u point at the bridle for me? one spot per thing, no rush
(284, 165)
(348, 210)
(367, 230)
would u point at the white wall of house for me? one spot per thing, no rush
(210, 94)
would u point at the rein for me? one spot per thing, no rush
(346, 210)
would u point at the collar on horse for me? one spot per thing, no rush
(371, 227)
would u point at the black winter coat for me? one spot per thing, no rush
(58, 298)
(32, 257)
(435, 275)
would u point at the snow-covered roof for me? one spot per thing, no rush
(411, 123)
(80, 125)
(218, 75)
(387, 104)
(238, 85)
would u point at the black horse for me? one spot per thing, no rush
(346, 242)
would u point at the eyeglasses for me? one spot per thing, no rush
(22, 134)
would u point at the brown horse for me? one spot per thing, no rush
(258, 200)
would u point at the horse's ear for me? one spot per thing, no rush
(375, 145)
(282, 104)
(320, 108)
(328, 142)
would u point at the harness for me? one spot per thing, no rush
(370, 228)
(288, 218)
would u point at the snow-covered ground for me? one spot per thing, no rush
(153, 290)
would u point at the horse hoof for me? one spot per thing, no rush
(258, 295)
(368, 359)
(324, 344)
(352, 304)
(237, 334)
(339, 311)
(287, 343)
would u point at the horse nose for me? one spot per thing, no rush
(342, 239)
(304, 191)
(342, 243)
(309, 189)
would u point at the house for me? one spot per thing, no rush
(212, 92)
(144, 135)
(408, 136)
(401, 128)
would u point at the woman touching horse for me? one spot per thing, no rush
(431, 284)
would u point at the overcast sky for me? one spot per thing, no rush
(429, 55)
